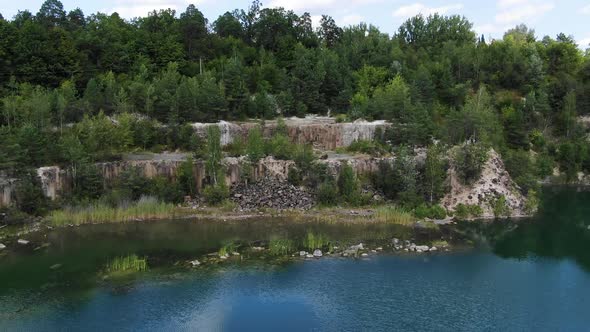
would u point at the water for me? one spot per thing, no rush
(532, 276)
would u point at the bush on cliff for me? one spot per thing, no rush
(469, 161)
(216, 194)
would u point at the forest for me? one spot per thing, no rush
(76, 88)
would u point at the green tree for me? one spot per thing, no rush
(435, 173)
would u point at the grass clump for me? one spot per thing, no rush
(145, 208)
(314, 241)
(130, 263)
(394, 215)
(281, 247)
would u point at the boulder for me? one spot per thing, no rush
(357, 247)
(317, 253)
(303, 253)
(433, 249)
(422, 248)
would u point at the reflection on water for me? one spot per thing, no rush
(530, 275)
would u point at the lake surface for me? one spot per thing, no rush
(533, 275)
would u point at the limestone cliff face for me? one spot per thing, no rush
(322, 132)
(56, 181)
(493, 183)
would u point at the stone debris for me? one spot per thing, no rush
(493, 183)
(271, 193)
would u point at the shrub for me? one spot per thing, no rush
(255, 145)
(304, 156)
(469, 161)
(294, 176)
(280, 147)
(367, 147)
(348, 185)
(532, 203)
(500, 207)
(29, 195)
(463, 211)
(215, 194)
(433, 212)
(327, 193)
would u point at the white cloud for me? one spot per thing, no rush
(584, 43)
(510, 3)
(351, 20)
(523, 12)
(585, 10)
(316, 5)
(419, 8)
(135, 8)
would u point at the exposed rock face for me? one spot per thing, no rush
(53, 180)
(56, 181)
(493, 183)
(7, 187)
(271, 193)
(321, 132)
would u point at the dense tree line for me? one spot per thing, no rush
(75, 89)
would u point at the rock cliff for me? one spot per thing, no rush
(322, 132)
(493, 183)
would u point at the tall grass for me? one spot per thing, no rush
(394, 215)
(314, 241)
(145, 208)
(130, 263)
(281, 247)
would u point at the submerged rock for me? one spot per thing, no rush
(55, 266)
(317, 253)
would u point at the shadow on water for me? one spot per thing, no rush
(559, 230)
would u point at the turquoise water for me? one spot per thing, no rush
(531, 276)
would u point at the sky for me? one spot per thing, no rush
(490, 17)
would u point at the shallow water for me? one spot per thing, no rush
(534, 275)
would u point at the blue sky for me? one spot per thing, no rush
(490, 17)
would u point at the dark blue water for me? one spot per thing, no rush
(460, 292)
(529, 276)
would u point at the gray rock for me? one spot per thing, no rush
(2, 246)
(195, 263)
(433, 249)
(357, 247)
(302, 253)
(309, 256)
(422, 248)
(364, 254)
(23, 242)
(317, 253)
